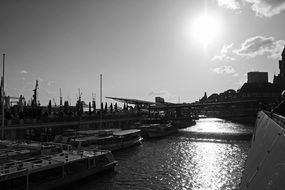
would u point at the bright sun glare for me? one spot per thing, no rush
(206, 29)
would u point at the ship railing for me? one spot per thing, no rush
(12, 168)
(277, 118)
(27, 164)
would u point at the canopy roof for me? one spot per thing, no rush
(131, 101)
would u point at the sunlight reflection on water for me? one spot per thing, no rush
(216, 125)
(212, 165)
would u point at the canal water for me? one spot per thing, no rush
(178, 162)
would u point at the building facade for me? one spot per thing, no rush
(257, 77)
(279, 80)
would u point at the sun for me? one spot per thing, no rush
(206, 29)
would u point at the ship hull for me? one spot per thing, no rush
(265, 165)
(161, 131)
(121, 145)
(71, 179)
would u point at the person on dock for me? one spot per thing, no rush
(280, 108)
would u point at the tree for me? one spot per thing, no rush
(116, 107)
(111, 108)
(106, 108)
(102, 108)
(94, 106)
(89, 108)
(65, 107)
(49, 107)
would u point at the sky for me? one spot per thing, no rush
(142, 48)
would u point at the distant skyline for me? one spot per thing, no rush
(143, 48)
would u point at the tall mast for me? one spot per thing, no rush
(2, 97)
(101, 111)
(100, 88)
(35, 95)
(60, 98)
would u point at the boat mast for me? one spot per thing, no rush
(2, 97)
(60, 98)
(101, 111)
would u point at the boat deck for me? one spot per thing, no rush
(42, 162)
(126, 132)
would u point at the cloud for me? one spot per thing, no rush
(235, 75)
(24, 72)
(226, 49)
(223, 57)
(224, 70)
(259, 45)
(266, 8)
(262, 8)
(230, 4)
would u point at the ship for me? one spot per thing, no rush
(116, 140)
(265, 164)
(183, 123)
(161, 130)
(44, 172)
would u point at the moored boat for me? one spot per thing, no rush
(160, 130)
(50, 171)
(181, 124)
(117, 140)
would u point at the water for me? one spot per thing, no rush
(178, 162)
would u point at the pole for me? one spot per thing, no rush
(60, 98)
(101, 111)
(2, 98)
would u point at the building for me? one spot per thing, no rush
(279, 80)
(204, 98)
(259, 91)
(257, 77)
(159, 100)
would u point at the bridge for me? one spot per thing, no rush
(242, 110)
